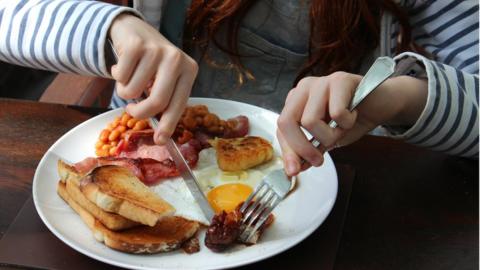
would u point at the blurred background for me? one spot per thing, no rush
(23, 83)
(26, 83)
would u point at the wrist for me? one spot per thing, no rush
(119, 23)
(410, 94)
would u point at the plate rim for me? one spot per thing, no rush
(298, 239)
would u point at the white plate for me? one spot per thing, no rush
(296, 217)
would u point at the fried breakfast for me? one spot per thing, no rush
(132, 199)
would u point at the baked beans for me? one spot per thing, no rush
(115, 131)
(195, 118)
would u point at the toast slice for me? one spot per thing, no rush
(71, 179)
(68, 173)
(237, 154)
(116, 189)
(167, 235)
(84, 214)
(112, 221)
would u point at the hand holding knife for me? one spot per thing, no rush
(181, 164)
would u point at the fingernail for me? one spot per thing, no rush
(317, 161)
(160, 139)
(291, 166)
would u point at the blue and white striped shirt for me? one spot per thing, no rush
(69, 36)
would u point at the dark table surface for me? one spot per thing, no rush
(410, 208)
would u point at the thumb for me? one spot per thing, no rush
(291, 161)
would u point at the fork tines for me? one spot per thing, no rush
(256, 209)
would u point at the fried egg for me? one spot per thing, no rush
(224, 190)
(176, 192)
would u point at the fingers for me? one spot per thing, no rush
(341, 93)
(173, 112)
(315, 113)
(311, 105)
(150, 63)
(329, 100)
(127, 61)
(160, 92)
(288, 124)
(144, 72)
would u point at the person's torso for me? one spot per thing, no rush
(272, 43)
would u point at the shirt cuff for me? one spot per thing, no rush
(415, 65)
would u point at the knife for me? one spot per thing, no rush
(182, 166)
(187, 174)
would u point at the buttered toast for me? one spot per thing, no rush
(167, 234)
(242, 153)
(116, 189)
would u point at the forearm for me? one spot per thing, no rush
(62, 36)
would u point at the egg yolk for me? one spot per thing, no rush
(228, 196)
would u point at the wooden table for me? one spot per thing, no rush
(410, 208)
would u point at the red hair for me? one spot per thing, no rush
(342, 32)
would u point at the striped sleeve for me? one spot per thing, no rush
(448, 31)
(449, 121)
(57, 35)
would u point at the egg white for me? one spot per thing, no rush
(209, 176)
(176, 192)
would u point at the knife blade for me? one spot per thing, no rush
(182, 166)
(187, 174)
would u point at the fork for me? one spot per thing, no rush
(275, 185)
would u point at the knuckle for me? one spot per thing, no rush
(134, 44)
(123, 92)
(338, 114)
(175, 55)
(158, 104)
(154, 52)
(311, 155)
(283, 122)
(193, 66)
(308, 122)
(119, 75)
(305, 81)
(338, 75)
(343, 117)
(174, 58)
(290, 94)
(150, 50)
